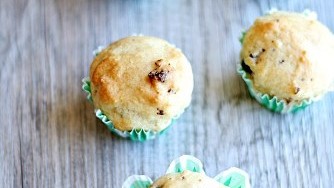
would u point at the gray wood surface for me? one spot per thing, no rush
(49, 136)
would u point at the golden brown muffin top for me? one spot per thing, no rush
(186, 179)
(141, 82)
(289, 55)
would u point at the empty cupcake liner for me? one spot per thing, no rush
(231, 178)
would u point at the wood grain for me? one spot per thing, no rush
(50, 138)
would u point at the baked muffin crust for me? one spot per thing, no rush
(141, 82)
(186, 179)
(289, 55)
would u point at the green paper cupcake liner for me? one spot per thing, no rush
(137, 181)
(185, 162)
(134, 134)
(272, 102)
(242, 37)
(231, 178)
(234, 178)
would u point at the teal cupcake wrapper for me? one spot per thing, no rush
(98, 50)
(272, 102)
(234, 178)
(242, 37)
(231, 178)
(185, 162)
(134, 134)
(137, 181)
(86, 88)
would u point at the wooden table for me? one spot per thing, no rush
(50, 137)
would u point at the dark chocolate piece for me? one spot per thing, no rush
(246, 67)
(160, 76)
(297, 89)
(160, 112)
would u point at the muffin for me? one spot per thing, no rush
(187, 172)
(186, 179)
(286, 60)
(139, 84)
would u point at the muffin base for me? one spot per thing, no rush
(272, 102)
(135, 134)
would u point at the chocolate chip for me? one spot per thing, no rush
(282, 61)
(160, 112)
(246, 67)
(171, 91)
(183, 177)
(251, 55)
(160, 76)
(297, 89)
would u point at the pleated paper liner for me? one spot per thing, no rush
(231, 178)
